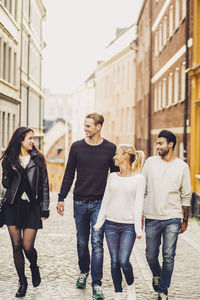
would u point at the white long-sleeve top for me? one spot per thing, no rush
(168, 188)
(123, 201)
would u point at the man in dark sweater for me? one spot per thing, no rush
(90, 158)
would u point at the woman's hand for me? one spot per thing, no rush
(43, 218)
(138, 237)
(60, 207)
(96, 229)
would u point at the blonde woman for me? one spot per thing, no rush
(121, 210)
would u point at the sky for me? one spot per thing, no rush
(76, 33)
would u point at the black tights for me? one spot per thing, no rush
(20, 243)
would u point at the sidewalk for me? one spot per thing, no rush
(56, 246)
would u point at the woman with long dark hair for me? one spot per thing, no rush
(26, 200)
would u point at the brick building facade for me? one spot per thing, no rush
(143, 79)
(170, 58)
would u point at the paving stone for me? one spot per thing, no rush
(57, 258)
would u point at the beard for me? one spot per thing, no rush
(163, 153)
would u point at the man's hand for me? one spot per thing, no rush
(183, 228)
(96, 229)
(60, 208)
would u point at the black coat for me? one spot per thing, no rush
(37, 177)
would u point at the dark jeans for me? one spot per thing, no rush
(168, 230)
(85, 215)
(120, 239)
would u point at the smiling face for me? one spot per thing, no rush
(28, 142)
(90, 128)
(163, 147)
(119, 157)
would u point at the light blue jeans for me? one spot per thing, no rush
(120, 239)
(168, 230)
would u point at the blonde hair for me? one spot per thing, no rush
(98, 119)
(136, 157)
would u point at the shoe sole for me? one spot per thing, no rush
(80, 287)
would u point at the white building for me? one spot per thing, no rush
(115, 87)
(32, 96)
(10, 38)
(21, 45)
(56, 106)
(83, 102)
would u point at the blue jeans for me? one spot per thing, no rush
(85, 215)
(120, 240)
(168, 230)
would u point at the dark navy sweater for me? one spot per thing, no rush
(91, 165)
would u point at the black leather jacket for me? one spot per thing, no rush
(37, 177)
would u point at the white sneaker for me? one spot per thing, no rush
(162, 296)
(118, 296)
(131, 293)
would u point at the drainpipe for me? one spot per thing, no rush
(150, 86)
(186, 79)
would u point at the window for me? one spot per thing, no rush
(156, 43)
(155, 98)
(3, 129)
(160, 37)
(10, 7)
(14, 68)
(183, 9)
(177, 14)
(122, 120)
(132, 127)
(6, 3)
(171, 21)
(128, 77)
(170, 89)
(164, 93)
(183, 81)
(26, 7)
(176, 85)
(8, 127)
(4, 60)
(25, 52)
(165, 31)
(13, 123)
(127, 120)
(16, 8)
(9, 64)
(181, 151)
(160, 96)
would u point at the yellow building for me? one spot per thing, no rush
(195, 103)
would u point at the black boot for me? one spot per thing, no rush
(36, 279)
(22, 287)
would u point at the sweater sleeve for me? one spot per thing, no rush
(139, 202)
(104, 204)
(45, 192)
(186, 187)
(69, 175)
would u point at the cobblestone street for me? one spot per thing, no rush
(56, 245)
